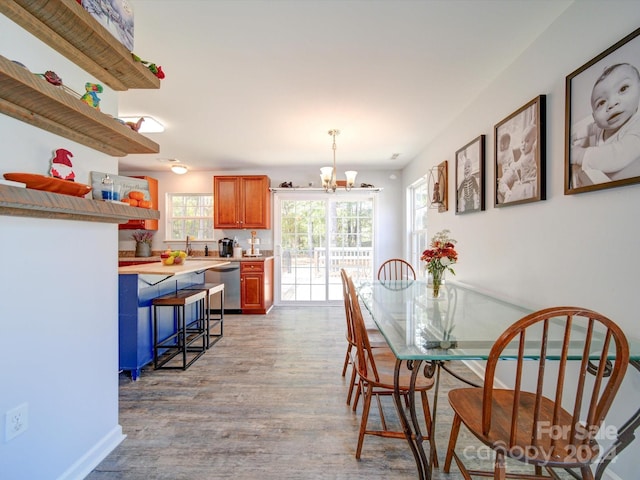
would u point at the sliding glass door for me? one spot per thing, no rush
(316, 234)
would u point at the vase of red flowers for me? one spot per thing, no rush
(440, 258)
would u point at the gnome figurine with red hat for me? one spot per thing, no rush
(61, 166)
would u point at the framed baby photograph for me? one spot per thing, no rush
(602, 124)
(519, 152)
(470, 177)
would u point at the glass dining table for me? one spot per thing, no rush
(461, 324)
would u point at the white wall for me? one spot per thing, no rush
(388, 241)
(59, 316)
(567, 250)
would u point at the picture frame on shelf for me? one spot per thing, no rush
(470, 185)
(438, 187)
(602, 135)
(519, 155)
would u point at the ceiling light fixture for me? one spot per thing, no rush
(149, 124)
(328, 174)
(177, 167)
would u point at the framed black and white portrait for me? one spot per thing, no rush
(470, 177)
(519, 151)
(602, 138)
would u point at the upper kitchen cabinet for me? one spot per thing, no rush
(242, 202)
(145, 224)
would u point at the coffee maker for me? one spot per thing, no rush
(225, 247)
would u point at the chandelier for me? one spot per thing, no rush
(328, 174)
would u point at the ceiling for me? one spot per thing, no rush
(254, 83)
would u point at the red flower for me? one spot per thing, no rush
(442, 247)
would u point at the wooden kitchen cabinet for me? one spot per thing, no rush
(242, 202)
(153, 196)
(256, 286)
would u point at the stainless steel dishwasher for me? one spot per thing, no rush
(229, 275)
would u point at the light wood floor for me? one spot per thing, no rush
(266, 402)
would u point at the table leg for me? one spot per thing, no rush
(411, 429)
(625, 436)
(404, 421)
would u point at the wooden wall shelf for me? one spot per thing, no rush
(68, 28)
(26, 202)
(33, 100)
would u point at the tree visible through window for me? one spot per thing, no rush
(319, 234)
(189, 214)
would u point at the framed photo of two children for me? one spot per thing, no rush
(520, 155)
(602, 123)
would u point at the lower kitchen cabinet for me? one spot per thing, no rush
(256, 286)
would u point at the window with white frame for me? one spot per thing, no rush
(189, 214)
(419, 205)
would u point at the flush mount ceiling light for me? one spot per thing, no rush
(328, 174)
(148, 125)
(178, 167)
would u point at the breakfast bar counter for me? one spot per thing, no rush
(157, 268)
(138, 285)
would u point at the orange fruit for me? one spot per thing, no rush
(136, 195)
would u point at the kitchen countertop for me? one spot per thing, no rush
(240, 259)
(157, 268)
(199, 259)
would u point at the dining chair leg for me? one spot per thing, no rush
(347, 360)
(453, 439)
(587, 474)
(499, 472)
(365, 417)
(357, 397)
(352, 384)
(430, 432)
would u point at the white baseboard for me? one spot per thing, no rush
(85, 465)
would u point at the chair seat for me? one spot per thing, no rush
(467, 403)
(385, 362)
(376, 339)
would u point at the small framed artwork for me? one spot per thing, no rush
(519, 165)
(438, 190)
(470, 177)
(602, 124)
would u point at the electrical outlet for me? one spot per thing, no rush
(16, 421)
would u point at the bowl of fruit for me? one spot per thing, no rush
(173, 257)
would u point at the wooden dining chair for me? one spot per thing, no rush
(376, 338)
(396, 269)
(550, 417)
(376, 369)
